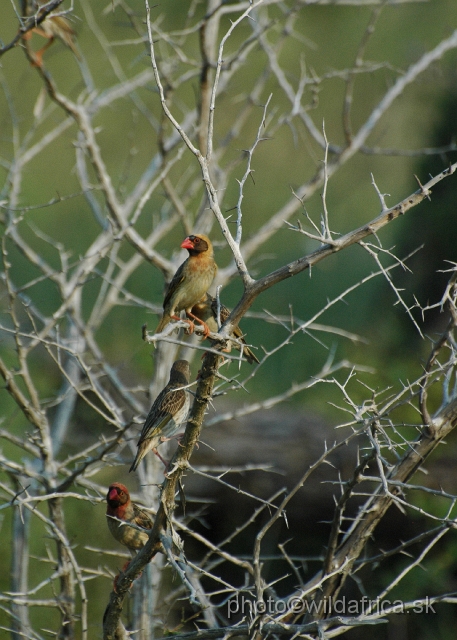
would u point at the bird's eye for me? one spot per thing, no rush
(197, 240)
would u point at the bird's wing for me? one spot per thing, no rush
(167, 404)
(224, 312)
(248, 354)
(224, 315)
(174, 284)
(141, 518)
(153, 426)
(174, 400)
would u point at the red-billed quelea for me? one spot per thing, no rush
(190, 282)
(120, 506)
(206, 310)
(167, 414)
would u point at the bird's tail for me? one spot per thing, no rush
(250, 357)
(136, 462)
(163, 323)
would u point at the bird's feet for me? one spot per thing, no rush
(206, 329)
(165, 463)
(179, 437)
(165, 439)
(191, 326)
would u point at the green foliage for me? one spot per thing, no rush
(43, 197)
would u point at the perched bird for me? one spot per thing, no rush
(167, 414)
(53, 26)
(206, 310)
(121, 507)
(191, 281)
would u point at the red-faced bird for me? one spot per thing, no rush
(190, 282)
(120, 506)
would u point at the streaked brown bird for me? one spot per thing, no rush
(120, 506)
(167, 414)
(53, 26)
(190, 282)
(206, 310)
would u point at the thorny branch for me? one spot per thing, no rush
(76, 288)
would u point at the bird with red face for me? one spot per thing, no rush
(120, 509)
(206, 310)
(167, 414)
(190, 282)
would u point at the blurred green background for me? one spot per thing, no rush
(327, 41)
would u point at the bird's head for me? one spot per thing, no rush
(117, 495)
(197, 244)
(180, 372)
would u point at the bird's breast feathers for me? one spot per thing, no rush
(130, 537)
(199, 277)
